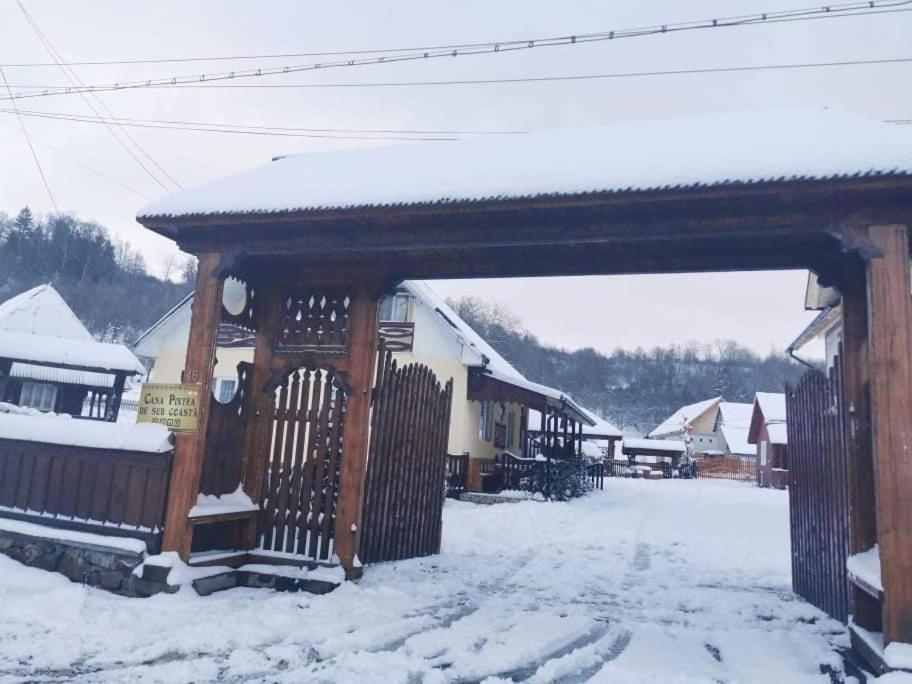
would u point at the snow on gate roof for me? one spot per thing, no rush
(721, 149)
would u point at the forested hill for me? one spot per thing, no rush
(105, 281)
(636, 390)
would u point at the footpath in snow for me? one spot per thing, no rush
(648, 581)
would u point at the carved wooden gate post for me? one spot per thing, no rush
(890, 329)
(190, 448)
(362, 356)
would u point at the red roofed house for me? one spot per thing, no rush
(768, 432)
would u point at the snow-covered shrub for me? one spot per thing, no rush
(569, 478)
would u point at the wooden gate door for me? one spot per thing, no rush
(818, 494)
(406, 486)
(302, 476)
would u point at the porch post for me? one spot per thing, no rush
(890, 329)
(866, 610)
(190, 448)
(363, 331)
(112, 410)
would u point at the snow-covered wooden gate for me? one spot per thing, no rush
(406, 486)
(302, 479)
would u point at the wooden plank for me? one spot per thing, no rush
(136, 492)
(270, 495)
(190, 449)
(310, 479)
(299, 499)
(890, 329)
(334, 448)
(321, 464)
(292, 423)
(363, 344)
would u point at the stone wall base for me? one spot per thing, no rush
(105, 567)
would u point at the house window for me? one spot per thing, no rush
(484, 422)
(511, 429)
(38, 395)
(764, 446)
(394, 308)
(225, 390)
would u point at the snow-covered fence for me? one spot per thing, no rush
(104, 478)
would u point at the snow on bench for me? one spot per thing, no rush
(32, 426)
(865, 567)
(235, 502)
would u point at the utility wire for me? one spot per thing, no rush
(239, 131)
(394, 56)
(74, 79)
(78, 162)
(253, 127)
(833, 10)
(551, 79)
(44, 179)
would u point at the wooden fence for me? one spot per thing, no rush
(818, 497)
(596, 473)
(405, 488)
(104, 491)
(727, 468)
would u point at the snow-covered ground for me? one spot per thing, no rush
(668, 581)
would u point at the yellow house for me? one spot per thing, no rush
(491, 399)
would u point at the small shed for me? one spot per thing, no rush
(768, 431)
(660, 454)
(51, 363)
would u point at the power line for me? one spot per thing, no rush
(549, 79)
(78, 162)
(859, 8)
(253, 127)
(404, 55)
(74, 79)
(44, 179)
(239, 131)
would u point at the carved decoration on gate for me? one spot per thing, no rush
(315, 320)
(246, 317)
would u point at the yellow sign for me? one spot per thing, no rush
(174, 406)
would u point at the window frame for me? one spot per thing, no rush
(27, 395)
(218, 390)
(398, 303)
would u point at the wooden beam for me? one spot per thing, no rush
(890, 329)
(190, 448)
(364, 337)
(860, 459)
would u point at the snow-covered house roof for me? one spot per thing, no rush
(174, 327)
(41, 311)
(477, 353)
(760, 146)
(769, 408)
(734, 424)
(73, 354)
(38, 329)
(675, 423)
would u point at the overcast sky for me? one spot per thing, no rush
(761, 310)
